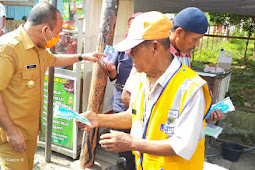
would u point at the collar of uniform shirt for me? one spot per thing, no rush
(26, 40)
(163, 79)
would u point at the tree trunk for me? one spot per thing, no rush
(253, 19)
(247, 43)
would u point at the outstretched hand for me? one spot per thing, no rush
(116, 141)
(91, 116)
(93, 57)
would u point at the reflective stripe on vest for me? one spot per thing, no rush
(173, 99)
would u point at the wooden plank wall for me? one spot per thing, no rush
(13, 24)
(17, 12)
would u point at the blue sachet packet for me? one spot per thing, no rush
(225, 106)
(61, 111)
(109, 51)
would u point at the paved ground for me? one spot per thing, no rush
(245, 162)
(61, 162)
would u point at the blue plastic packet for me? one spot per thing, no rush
(64, 112)
(225, 106)
(109, 51)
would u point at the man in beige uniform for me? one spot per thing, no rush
(23, 62)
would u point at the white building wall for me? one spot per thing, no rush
(93, 12)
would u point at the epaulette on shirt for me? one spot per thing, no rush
(7, 56)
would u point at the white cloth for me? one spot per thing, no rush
(2, 13)
(210, 166)
(131, 79)
(188, 127)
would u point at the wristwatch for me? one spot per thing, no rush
(80, 57)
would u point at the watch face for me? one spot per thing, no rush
(80, 57)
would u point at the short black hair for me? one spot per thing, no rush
(43, 13)
(165, 42)
(174, 28)
(24, 18)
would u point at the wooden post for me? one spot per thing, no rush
(217, 35)
(49, 115)
(212, 42)
(207, 38)
(50, 107)
(247, 43)
(99, 79)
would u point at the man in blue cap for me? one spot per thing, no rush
(190, 25)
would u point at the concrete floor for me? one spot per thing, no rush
(105, 159)
(246, 160)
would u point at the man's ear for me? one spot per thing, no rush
(44, 29)
(156, 46)
(179, 32)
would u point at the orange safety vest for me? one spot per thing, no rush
(174, 97)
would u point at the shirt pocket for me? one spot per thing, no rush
(31, 75)
(30, 80)
(27, 75)
(154, 163)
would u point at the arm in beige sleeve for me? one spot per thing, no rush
(5, 122)
(68, 59)
(13, 135)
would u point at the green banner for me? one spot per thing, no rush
(62, 129)
(66, 10)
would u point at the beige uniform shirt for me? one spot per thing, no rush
(22, 70)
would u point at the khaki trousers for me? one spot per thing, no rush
(10, 159)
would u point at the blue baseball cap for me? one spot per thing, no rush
(192, 19)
